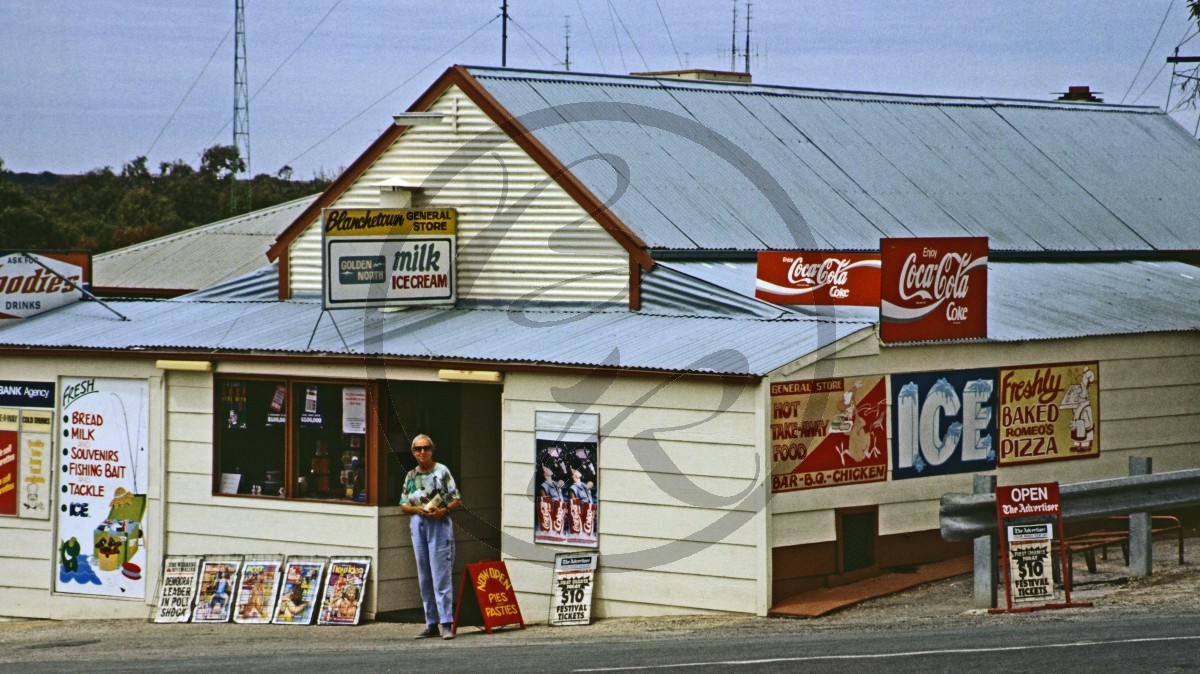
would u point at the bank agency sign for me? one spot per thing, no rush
(388, 257)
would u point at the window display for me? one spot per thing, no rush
(287, 438)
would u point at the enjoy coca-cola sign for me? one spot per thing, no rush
(933, 289)
(846, 279)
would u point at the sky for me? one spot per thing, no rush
(93, 83)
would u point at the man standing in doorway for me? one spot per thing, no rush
(429, 496)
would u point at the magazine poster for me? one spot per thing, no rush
(177, 588)
(299, 590)
(214, 601)
(566, 509)
(345, 588)
(103, 486)
(571, 595)
(257, 589)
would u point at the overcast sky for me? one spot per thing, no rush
(93, 83)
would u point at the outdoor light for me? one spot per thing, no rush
(184, 365)
(478, 376)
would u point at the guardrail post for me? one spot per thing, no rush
(1141, 551)
(985, 553)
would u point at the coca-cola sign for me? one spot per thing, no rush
(845, 279)
(933, 289)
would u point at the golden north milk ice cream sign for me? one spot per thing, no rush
(388, 257)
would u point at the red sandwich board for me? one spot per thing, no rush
(1027, 539)
(486, 598)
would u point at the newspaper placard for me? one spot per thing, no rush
(1030, 570)
(345, 587)
(257, 589)
(571, 595)
(177, 589)
(214, 602)
(300, 590)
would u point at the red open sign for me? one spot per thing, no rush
(1025, 500)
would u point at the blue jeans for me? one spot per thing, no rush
(433, 545)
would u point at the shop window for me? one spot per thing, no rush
(294, 438)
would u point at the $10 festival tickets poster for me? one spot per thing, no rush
(828, 432)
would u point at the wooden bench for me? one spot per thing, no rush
(1116, 532)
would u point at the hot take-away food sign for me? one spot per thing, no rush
(388, 257)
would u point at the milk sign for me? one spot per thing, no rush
(943, 422)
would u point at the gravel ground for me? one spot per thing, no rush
(1173, 589)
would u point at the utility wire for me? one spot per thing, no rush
(1149, 49)
(590, 35)
(384, 97)
(672, 39)
(189, 91)
(279, 67)
(630, 35)
(617, 37)
(531, 37)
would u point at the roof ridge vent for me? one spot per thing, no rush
(699, 74)
(1080, 94)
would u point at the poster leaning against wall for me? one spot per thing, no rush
(104, 481)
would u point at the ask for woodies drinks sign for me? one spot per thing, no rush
(388, 257)
(933, 289)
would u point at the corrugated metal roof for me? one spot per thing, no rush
(538, 335)
(729, 166)
(200, 257)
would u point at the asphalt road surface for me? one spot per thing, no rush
(1108, 643)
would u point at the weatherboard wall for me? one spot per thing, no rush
(680, 516)
(1148, 385)
(519, 250)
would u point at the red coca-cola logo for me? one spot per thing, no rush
(589, 521)
(576, 521)
(818, 278)
(545, 519)
(560, 516)
(933, 289)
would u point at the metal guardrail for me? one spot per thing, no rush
(968, 516)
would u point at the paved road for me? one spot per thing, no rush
(1153, 643)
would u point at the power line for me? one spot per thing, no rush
(1149, 49)
(189, 91)
(531, 37)
(617, 37)
(591, 37)
(384, 97)
(630, 35)
(668, 30)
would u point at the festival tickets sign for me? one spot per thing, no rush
(32, 283)
(933, 289)
(1049, 412)
(389, 257)
(943, 422)
(844, 279)
(104, 482)
(571, 593)
(828, 433)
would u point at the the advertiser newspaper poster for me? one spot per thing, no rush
(104, 481)
(300, 591)
(822, 279)
(943, 422)
(218, 582)
(933, 289)
(345, 589)
(828, 432)
(257, 589)
(26, 456)
(566, 510)
(1049, 412)
(177, 588)
(389, 257)
(571, 595)
(1030, 570)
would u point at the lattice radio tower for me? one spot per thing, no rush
(239, 199)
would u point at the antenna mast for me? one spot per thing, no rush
(239, 199)
(504, 35)
(567, 42)
(747, 54)
(733, 41)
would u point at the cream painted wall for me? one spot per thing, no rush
(1148, 385)
(679, 491)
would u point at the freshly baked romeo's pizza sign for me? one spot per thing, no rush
(933, 289)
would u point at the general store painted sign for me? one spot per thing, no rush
(933, 289)
(389, 257)
(828, 432)
(846, 279)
